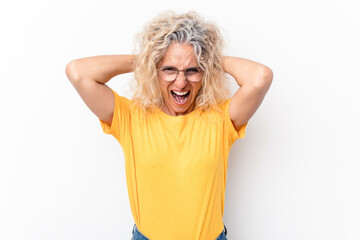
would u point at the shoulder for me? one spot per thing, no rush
(222, 108)
(119, 98)
(224, 105)
(218, 112)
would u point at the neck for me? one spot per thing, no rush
(170, 111)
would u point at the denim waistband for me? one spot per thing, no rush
(137, 235)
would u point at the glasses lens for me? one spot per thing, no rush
(192, 71)
(168, 73)
(192, 74)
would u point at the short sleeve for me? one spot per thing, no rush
(120, 120)
(233, 133)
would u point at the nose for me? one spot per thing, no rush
(180, 81)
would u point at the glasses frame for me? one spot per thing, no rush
(182, 70)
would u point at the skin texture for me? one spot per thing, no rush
(181, 56)
(89, 75)
(254, 80)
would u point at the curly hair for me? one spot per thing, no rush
(154, 41)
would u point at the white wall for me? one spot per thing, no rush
(294, 176)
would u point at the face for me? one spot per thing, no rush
(179, 95)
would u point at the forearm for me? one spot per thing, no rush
(246, 72)
(99, 68)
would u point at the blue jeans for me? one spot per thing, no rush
(137, 235)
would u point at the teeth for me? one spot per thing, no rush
(180, 93)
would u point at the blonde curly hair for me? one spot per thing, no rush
(154, 41)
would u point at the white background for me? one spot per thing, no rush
(294, 176)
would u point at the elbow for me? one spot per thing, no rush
(264, 78)
(71, 71)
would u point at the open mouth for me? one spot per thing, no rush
(180, 97)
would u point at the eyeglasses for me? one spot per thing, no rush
(193, 74)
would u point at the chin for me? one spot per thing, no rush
(180, 109)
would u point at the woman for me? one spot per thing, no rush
(178, 129)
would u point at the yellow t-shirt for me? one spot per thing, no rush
(175, 169)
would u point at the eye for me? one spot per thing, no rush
(192, 71)
(169, 70)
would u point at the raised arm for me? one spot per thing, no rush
(89, 75)
(254, 80)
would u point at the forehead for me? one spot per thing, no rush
(179, 55)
